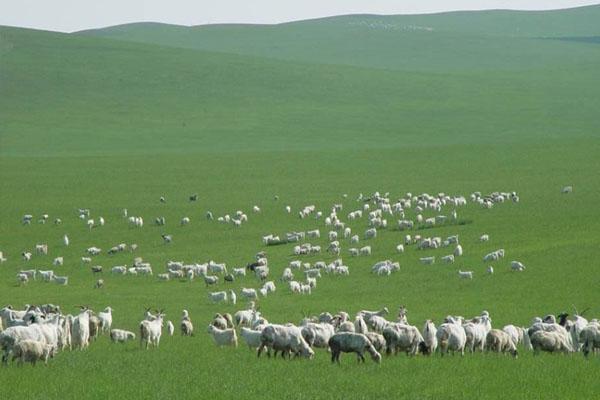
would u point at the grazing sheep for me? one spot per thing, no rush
(121, 336)
(249, 293)
(484, 238)
(499, 341)
(427, 260)
(210, 280)
(517, 266)
(99, 284)
(402, 337)
(223, 337)
(61, 280)
(350, 342)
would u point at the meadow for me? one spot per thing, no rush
(308, 111)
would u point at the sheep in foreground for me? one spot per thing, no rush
(500, 342)
(32, 351)
(150, 331)
(350, 342)
(223, 337)
(121, 336)
(402, 337)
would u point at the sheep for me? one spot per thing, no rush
(287, 275)
(251, 337)
(346, 326)
(371, 233)
(61, 280)
(429, 337)
(217, 297)
(517, 266)
(185, 221)
(427, 260)
(249, 293)
(313, 234)
(151, 331)
(58, 261)
(41, 249)
(170, 328)
(476, 331)
(95, 326)
(167, 238)
(350, 342)
(2, 258)
(187, 328)
(86, 260)
(210, 280)
(121, 336)
(305, 289)
(501, 342)
(105, 318)
(354, 239)
(484, 238)
(32, 351)
(317, 334)
(458, 251)
(269, 286)
(93, 251)
(448, 259)
(239, 272)
(567, 189)
(490, 270)
(451, 337)
(312, 273)
(465, 274)
(365, 251)
(402, 337)
(80, 329)
(47, 276)
(22, 279)
(26, 256)
(287, 339)
(589, 337)
(223, 337)
(549, 341)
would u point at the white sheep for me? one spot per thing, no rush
(465, 274)
(223, 337)
(121, 336)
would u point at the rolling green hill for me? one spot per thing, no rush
(485, 101)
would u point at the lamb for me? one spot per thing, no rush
(26, 256)
(349, 342)
(151, 331)
(500, 342)
(58, 261)
(400, 248)
(32, 351)
(223, 337)
(121, 336)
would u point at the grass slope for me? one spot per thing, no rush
(106, 124)
(459, 41)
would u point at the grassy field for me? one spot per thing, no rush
(115, 119)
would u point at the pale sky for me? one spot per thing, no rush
(74, 15)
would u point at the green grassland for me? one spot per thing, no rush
(115, 118)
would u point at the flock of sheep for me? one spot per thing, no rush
(38, 332)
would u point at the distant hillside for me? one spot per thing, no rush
(433, 42)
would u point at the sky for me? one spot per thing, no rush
(74, 15)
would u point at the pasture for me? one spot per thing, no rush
(90, 121)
